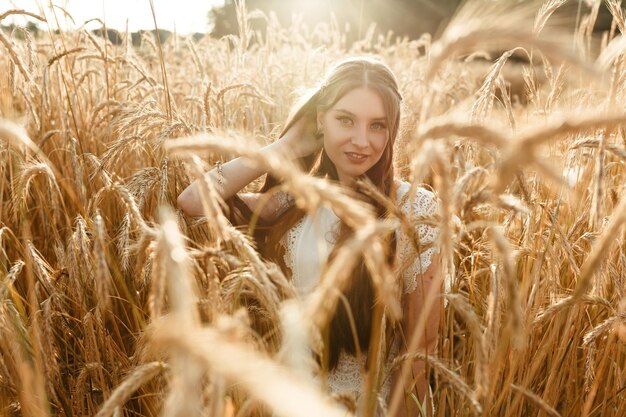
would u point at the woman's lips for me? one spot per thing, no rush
(356, 157)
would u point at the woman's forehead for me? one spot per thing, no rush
(362, 102)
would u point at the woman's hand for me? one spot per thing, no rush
(300, 140)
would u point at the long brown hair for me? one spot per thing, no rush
(346, 76)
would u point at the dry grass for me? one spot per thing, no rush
(112, 303)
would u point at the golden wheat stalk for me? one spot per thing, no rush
(600, 248)
(615, 8)
(483, 104)
(538, 401)
(608, 324)
(185, 396)
(102, 276)
(567, 302)
(130, 385)
(448, 373)
(219, 225)
(477, 332)
(500, 25)
(286, 393)
(17, 137)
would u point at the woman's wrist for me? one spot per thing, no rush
(282, 146)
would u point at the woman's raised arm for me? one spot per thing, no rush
(234, 175)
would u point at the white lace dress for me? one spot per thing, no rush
(308, 244)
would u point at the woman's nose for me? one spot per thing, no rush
(359, 137)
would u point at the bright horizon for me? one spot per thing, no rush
(184, 16)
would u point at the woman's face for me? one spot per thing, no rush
(355, 132)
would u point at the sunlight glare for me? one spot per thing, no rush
(184, 16)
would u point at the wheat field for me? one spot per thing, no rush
(115, 304)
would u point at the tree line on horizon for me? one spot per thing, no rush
(403, 18)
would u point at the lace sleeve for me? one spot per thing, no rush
(412, 260)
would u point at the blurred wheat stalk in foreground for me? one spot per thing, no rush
(112, 304)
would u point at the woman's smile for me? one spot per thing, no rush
(355, 157)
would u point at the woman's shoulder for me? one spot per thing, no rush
(419, 201)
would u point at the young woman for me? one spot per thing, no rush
(343, 131)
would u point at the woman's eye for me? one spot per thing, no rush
(378, 126)
(346, 121)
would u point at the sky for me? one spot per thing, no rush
(186, 16)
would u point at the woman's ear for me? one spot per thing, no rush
(320, 120)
